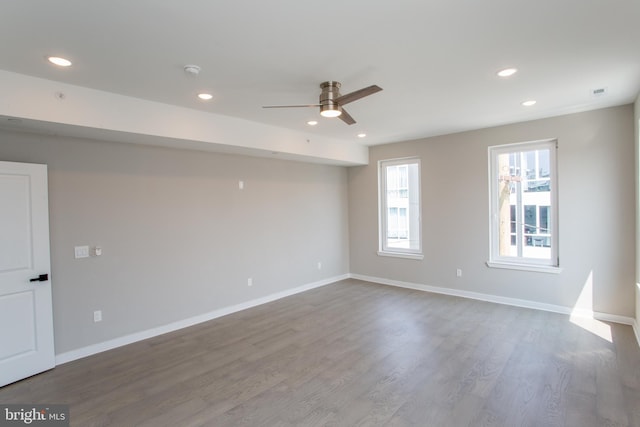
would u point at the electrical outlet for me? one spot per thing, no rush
(97, 316)
(250, 282)
(458, 272)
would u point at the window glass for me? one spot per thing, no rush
(400, 230)
(523, 203)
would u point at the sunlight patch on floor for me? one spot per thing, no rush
(582, 313)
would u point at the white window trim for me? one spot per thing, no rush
(525, 267)
(400, 255)
(414, 254)
(518, 263)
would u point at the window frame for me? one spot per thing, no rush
(383, 248)
(551, 264)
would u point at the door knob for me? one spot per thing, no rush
(40, 278)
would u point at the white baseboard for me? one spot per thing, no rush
(149, 333)
(505, 300)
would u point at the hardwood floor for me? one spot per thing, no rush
(355, 353)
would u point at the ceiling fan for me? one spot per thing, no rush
(331, 101)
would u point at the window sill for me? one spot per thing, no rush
(525, 267)
(401, 255)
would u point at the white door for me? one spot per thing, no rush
(26, 322)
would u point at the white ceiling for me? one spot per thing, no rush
(436, 60)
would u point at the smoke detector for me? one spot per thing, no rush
(192, 70)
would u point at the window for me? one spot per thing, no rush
(524, 208)
(399, 217)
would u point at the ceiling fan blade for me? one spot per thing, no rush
(346, 117)
(354, 96)
(290, 106)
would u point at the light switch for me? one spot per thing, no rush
(82, 252)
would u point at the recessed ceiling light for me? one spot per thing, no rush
(507, 72)
(362, 135)
(529, 103)
(62, 62)
(312, 122)
(205, 96)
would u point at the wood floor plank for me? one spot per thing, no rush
(358, 354)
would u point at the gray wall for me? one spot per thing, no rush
(596, 208)
(179, 237)
(636, 122)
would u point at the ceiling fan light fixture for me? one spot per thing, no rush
(330, 111)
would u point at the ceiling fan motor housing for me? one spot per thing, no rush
(330, 92)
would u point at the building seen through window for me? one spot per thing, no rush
(399, 181)
(523, 198)
(397, 205)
